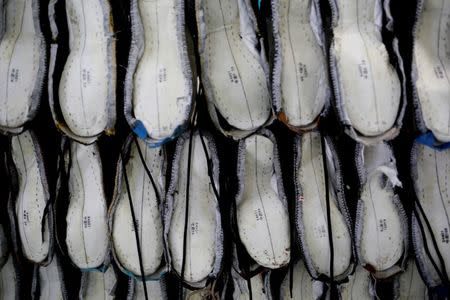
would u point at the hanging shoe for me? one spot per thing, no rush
(161, 76)
(300, 85)
(261, 205)
(195, 247)
(430, 68)
(98, 285)
(359, 286)
(82, 94)
(409, 284)
(23, 63)
(48, 282)
(9, 280)
(155, 290)
(234, 68)
(429, 169)
(147, 200)
(311, 178)
(369, 98)
(260, 287)
(303, 285)
(31, 199)
(87, 231)
(381, 229)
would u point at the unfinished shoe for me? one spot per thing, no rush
(155, 290)
(429, 169)
(304, 287)
(431, 65)
(32, 197)
(160, 80)
(409, 284)
(204, 238)
(311, 176)
(300, 78)
(234, 71)
(87, 230)
(48, 281)
(260, 289)
(9, 280)
(98, 285)
(381, 230)
(146, 207)
(262, 216)
(86, 92)
(367, 87)
(22, 63)
(359, 286)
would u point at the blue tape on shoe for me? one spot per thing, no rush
(428, 139)
(139, 129)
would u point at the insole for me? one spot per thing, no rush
(303, 76)
(303, 285)
(161, 97)
(99, 285)
(31, 198)
(201, 235)
(432, 190)
(154, 290)
(262, 219)
(314, 217)
(148, 217)
(234, 74)
(85, 82)
(87, 232)
(8, 281)
(19, 63)
(410, 284)
(382, 236)
(369, 86)
(50, 285)
(358, 286)
(432, 58)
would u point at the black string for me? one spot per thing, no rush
(136, 233)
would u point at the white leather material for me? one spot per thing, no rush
(155, 290)
(162, 93)
(262, 217)
(304, 287)
(203, 237)
(88, 81)
(233, 71)
(431, 184)
(314, 228)
(367, 84)
(146, 209)
(409, 284)
(50, 282)
(431, 66)
(98, 285)
(31, 198)
(8, 281)
(241, 291)
(358, 287)
(22, 63)
(302, 70)
(381, 233)
(87, 231)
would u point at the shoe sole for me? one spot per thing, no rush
(50, 281)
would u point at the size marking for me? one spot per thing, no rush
(86, 77)
(320, 231)
(382, 224)
(162, 75)
(445, 236)
(194, 228)
(363, 69)
(302, 71)
(234, 78)
(87, 222)
(14, 76)
(258, 214)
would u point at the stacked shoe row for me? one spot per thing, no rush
(269, 214)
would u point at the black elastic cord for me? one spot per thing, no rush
(136, 232)
(209, 165)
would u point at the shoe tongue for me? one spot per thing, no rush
(389, 172)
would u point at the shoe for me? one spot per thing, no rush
(98, 285)
(260, 287)
(23, 63)
(84, 102)
(155, 290)
(234, 70)
(368, 90)
(359, 286)
(31, 198)
(381, 230)
(300, 86)
(409, 284)
(87, 230)
(262, 216)
(147, 206)
(311, 202)
(9, 280)
(203, 251)
(161, 76)
(429, 169)
(48, 281)
(304, 286)
(431, 86)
